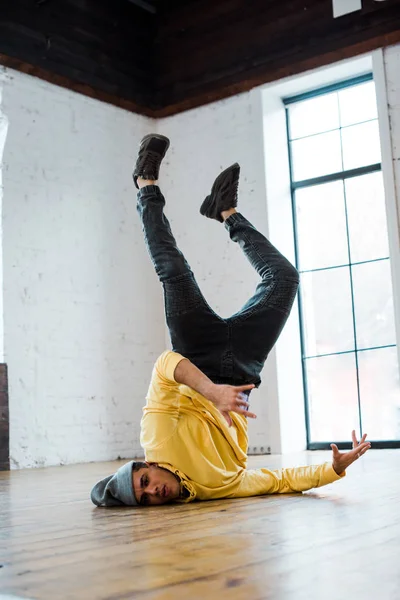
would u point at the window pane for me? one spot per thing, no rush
(365, 197)
(317, 155)
(321, 226)
(380, 393)
(332, 397)
(314, 116)
(373, 304)
(327, 311)
(361, 145)
(358, 104)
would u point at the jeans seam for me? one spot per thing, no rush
(175, 278)
(179, 313)
(237, 218)
(260, 305)
(201, 300)
(256, 250)
(265, 301)
(228, 352)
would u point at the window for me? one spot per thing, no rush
(350, 366)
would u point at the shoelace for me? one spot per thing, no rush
(229, 187)
(152, 162)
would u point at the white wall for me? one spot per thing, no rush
(82, 307)
(3, 137)
(203, 142)
(392, 64)
(387, 68)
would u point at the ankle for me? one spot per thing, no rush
(225, 214)
(144, 182)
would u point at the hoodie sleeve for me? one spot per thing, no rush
(285, 481)
(164, 390)
(161, 413)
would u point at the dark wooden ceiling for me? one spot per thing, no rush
(159, 57)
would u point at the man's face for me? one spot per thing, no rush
(154, 486)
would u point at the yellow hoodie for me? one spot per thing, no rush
(184, 432)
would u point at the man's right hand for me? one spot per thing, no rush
(229, 398)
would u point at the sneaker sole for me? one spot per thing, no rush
(159, 137)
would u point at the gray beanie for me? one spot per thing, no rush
(117, 489)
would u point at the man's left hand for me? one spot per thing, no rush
(342, 460)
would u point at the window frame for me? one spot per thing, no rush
(294, 186)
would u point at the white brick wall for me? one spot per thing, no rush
(83, 308)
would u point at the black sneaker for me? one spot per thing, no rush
(152, 150)
(224, 194)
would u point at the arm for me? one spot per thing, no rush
(342, 460)
(163, 392)
(225, 397)
(161, 413)
(285, 481)
(300, 479)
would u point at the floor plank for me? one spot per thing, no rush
(339, 541)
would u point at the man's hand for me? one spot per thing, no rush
(342, 460)
(225, 397)
(231, 398)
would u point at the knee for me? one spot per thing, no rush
(288, 272)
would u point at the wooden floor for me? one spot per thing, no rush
(340, 542)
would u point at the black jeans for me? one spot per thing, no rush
(231, 350)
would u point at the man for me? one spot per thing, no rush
(194, 426)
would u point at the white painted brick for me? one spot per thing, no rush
(83, 309)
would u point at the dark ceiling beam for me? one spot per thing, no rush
(192, 52)
(228, 89)
(75, 86)
(145, 5)
(225, 49)
(103, 48)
